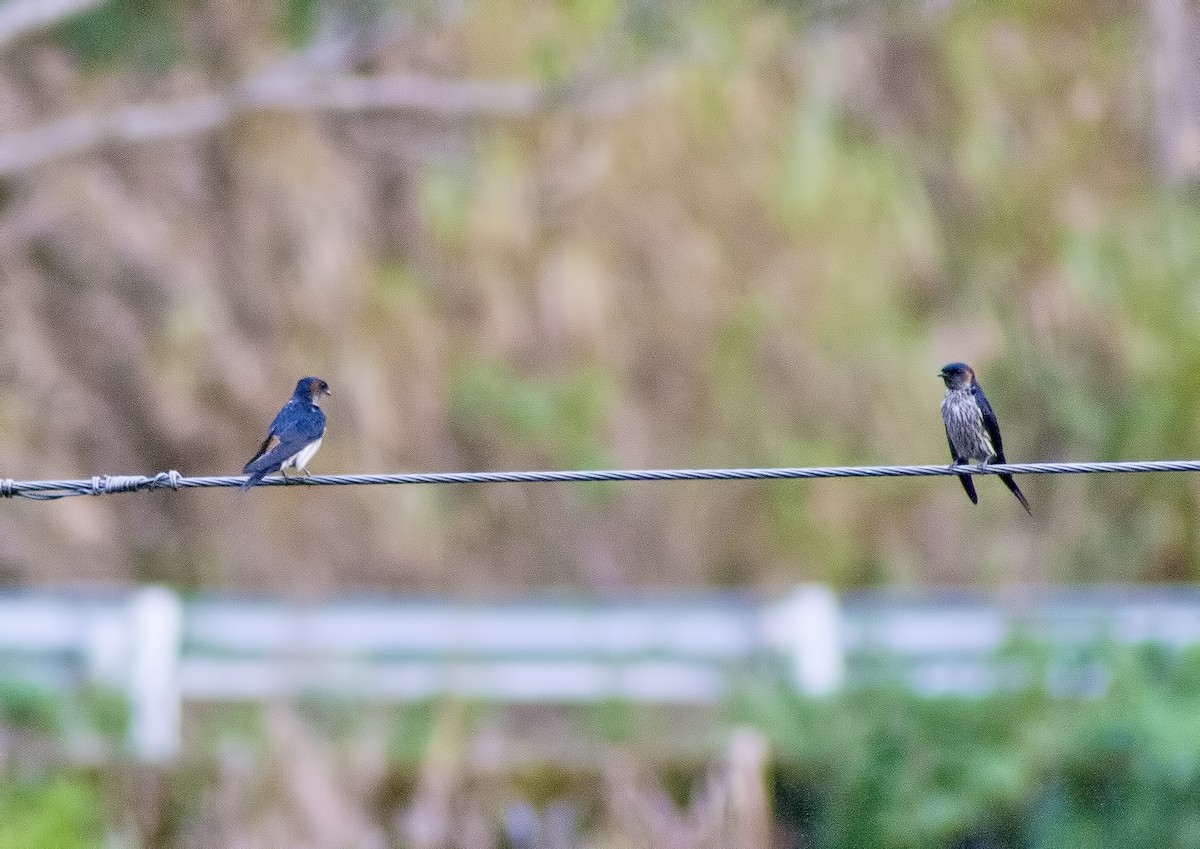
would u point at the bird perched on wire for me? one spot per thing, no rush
(971, 427)
(295, 434)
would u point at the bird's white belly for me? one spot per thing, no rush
(300, 459)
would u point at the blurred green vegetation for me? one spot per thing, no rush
(90, 711)
(143, 32)
(42, 801)
(65, 811)
(884, 767)
(560, 422)
(873, 766)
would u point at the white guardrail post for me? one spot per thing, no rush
(806, 626)
(155, 636)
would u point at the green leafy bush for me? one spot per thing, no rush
(883, 767)
(62, 811)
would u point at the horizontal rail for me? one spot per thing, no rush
(163, 650)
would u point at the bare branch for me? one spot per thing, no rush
(78, 133)
(19, 18)
(390, 93)
(300, 93)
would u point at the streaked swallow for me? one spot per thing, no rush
(971, 428)
(295, 434)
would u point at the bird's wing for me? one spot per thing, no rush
(276, 456)
(306, 425)
(968, 484)
(272, 437)
(267, 444)
(294, 428)
(989, 422)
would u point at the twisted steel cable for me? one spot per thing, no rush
(47, 490)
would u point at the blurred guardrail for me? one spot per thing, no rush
(163, 650)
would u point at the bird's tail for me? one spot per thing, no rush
(1016, 490)
(969, 486)
(259, 467)
(253, 478)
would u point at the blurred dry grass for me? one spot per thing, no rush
(762, 260)
(472, 789)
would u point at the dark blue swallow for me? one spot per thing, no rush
(971, 428)
(295, 434)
